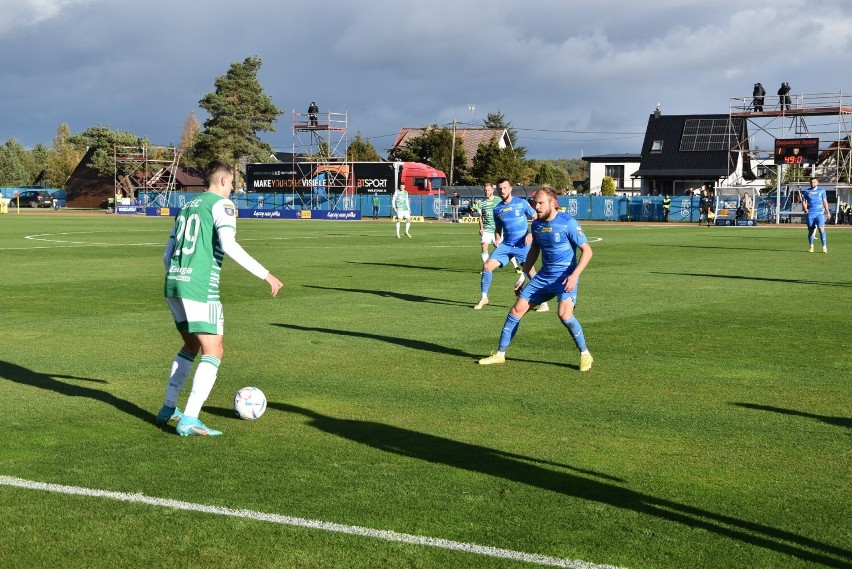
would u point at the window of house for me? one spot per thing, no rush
(763, 170)
(657, 146)
(616, 172)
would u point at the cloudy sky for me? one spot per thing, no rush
(574, 78)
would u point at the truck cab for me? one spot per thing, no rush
(422, 178)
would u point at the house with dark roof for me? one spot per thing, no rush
(683, 152)
(86, 188)
(470, 139)
(620, 167)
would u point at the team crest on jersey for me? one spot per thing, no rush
(229, 210)
(580, 231)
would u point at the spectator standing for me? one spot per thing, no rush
(376, 204)
(784, 96)
(313, 111)
(758, 95)
(747, 204)
(454, 206)
(704, 208)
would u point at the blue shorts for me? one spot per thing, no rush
(815, 221)
(544, 287)
(504, 252)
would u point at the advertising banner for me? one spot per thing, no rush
(313, 178)
(128, 209)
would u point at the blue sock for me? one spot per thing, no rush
(510, 328)
(486, 281)
(576, 332)
(824, 238)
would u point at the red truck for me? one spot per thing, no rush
(421, 178)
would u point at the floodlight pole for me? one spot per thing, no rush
(453, 153)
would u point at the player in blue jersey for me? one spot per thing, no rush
(510, 219)
(815, 205)
(555, 236)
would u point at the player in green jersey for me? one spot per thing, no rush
(486, 219)
(204, 231)
(402, 209)
(487, 226)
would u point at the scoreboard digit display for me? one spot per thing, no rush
(796, 150)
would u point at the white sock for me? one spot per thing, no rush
(202, 384)
(484, 256)
(181, 366)
(397, 229)
(407, 226)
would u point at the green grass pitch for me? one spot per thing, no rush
(713, 431)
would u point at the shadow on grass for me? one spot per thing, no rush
(724, 247)
(836, 421)
(18, 374)
(424, 267)
(409, 343)
(764, 279)
(593, 486)
(397, 295)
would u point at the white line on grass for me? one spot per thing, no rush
(306, 523)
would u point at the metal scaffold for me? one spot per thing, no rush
(146, 172)
(825, 119)
(826, 116)
(319, 154)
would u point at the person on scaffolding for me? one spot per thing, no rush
(313, 110)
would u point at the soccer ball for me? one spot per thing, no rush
(249, 403)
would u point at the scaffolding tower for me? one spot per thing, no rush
(826, 116)
(319, 154)
(146, 172)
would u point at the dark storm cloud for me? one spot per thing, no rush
(570, 76)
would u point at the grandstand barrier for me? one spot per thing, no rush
(684, 209)
(331, 215)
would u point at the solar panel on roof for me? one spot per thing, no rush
(701, 135)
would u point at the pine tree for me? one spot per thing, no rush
(13, 168)
(239, 109)
(104, 140)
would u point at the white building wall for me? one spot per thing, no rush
(631, 186)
